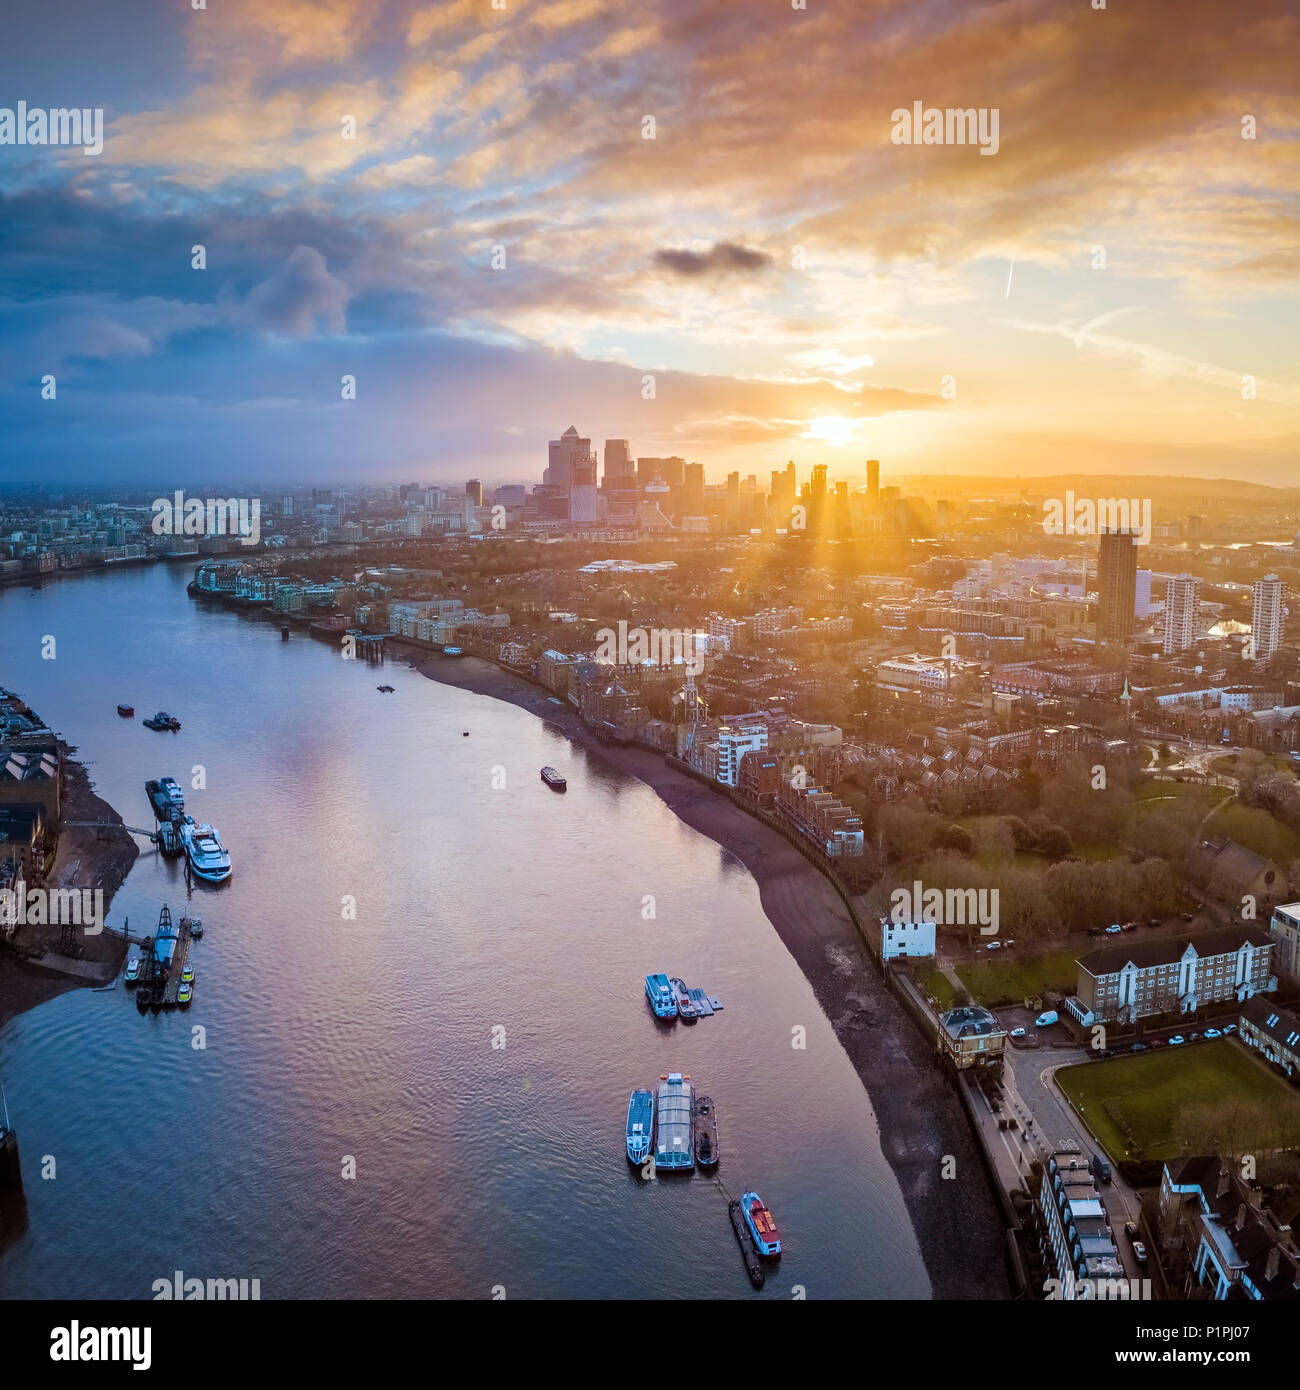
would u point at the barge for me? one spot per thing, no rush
(166, 798)
(553, 779)
(163, 720)
(707, 1152)
(674, 1151)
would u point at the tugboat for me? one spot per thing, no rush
(660, 994)
(707, 1152)
(553, 779)
(640, 1125)
(685, 1006)
(767, 1239)
(163, 720)
(126, 711)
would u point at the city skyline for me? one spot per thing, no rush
(499, 247)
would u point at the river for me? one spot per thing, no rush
(488, 910)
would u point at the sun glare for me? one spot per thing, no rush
(835, 430)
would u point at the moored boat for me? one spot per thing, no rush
(673, 1149)
(685, 1006)
(132, 971)
(706, 1133)
(660, 994)
(126, 711)
(166, 798)
(208, 857)
(762, 1229)
(640, 1125)
(553, 779)
(162, 720)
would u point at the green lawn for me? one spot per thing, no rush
(938, 986)
(1157, 1105)
(1257, 830)
(1006, 977)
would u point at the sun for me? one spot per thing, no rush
(836, 430)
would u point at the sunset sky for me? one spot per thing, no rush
(522, 128)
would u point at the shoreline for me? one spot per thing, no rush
(83, 860)
(959, 1227)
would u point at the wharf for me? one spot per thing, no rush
(179, 961)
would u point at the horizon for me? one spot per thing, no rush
(497, 250)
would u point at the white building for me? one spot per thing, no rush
(1266, 619)
(1182, 612)
(733, 744)
(913, 939)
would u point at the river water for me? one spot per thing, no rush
(484, 913)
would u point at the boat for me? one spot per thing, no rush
(163, 720)
(284, 634)
(767, 1239)
(553, 779)
(660, 994)
(640, 1125)
(387, 689)
(203, 848)
(126, 711)
(673, 1149)
(185, 994)
(196, 926)
(706, 1134)
(685, 1005)
(166, 798)
(132, 971)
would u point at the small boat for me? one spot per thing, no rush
(767, 1239)
(640, 1125)
(387, 689)
(166, 798)
(706, 1134)
(143, 998)
(185, 994)
(553, 779)
(685, 1006)
(284, 634)
(132, 971)
(163, 720)
(208, 857)
(660, 994)
(196, 926)
(126, 711)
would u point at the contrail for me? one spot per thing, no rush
(1010, 273)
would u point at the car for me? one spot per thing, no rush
(1139, 1252)
(1017, 1032)
(1115, 930)
(1012, 942)
(1128, 926)
(1139, 1047)
(994, 946)
(1100, 1167)
(1213, 1033)
(1229, 1028)
(187, 975)
(1176, 1040)
(1187, 916)
(1154, 922)
(1131, 1229)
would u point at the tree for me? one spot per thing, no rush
(1055, 842)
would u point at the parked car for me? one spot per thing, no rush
(1187, 916)
(1176, 1040)
(1139, 1047)
(1139, 1252)
(1213, 1033)
(1154, 922)
(1046, 1019)
(1229, 1028)
(1017, 1032)
(1131, 1229)
(1115, 930)
(1101, 1167)
(994, 946)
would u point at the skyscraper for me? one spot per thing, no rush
(1117, 585)
(1182, 610)
(620, 469)
(564, 454)
(474, 490)
(873, 480)
(584, 499)
(1266, 618)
